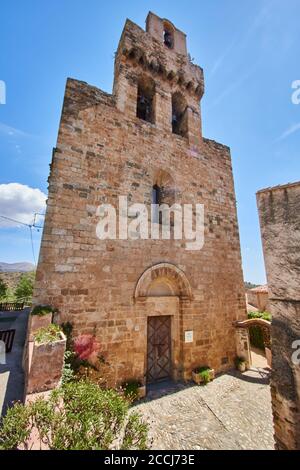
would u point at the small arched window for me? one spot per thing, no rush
(179, 115)
(168, 36)
(163, 192)
(156, 199)
(156, 194)
(145, 100)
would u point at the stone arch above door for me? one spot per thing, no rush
(163, 279)
(263, 324)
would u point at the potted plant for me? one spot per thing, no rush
(133, 390)
(40, 317)
(46, 359)
(240, 364)
(203, 375)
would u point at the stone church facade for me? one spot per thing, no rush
(157, 309)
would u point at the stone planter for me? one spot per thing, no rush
(268, 354)
(36, 322)
(198, 379)
(45, 366)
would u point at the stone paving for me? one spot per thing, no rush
(11, 374)
(232, 412)
(258, 358)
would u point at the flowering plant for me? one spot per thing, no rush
(86, 348)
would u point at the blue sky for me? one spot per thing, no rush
(250, 54)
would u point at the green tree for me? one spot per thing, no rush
(3, 289)
(25, 286)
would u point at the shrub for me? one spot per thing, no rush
(204, 373)
(263, 315)
(131, 389)
(14, 429)
(68, 372)
(76, 367)
(77, 416)
(48, 334)
(42, 310)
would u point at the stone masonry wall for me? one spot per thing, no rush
(279, 211)
(103, 151)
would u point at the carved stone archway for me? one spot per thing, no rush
(163, 294)
(173, 276)
(243, 342)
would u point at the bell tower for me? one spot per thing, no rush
(144, 142)
(155, 80)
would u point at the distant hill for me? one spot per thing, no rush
(16, 267)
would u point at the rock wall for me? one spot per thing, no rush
(279, 212)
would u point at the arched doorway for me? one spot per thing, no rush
(159, 293)
(248, 327)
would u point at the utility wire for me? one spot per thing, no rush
(21, 223)
(30, 226)
(32, 246)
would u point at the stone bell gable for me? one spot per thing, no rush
(157, 309)
(142, 58)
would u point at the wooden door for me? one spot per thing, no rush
(158, 348)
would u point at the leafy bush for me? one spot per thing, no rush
(204, 373)
(82, 358)
(67, 373)
(263, 315)
(48, 334)
(77, 416)
(42, 310)
(25, 286)
(131, 389)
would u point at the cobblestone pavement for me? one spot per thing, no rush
(232, 412)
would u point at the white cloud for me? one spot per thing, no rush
(12, 131)
(20, 202)
(291, 130)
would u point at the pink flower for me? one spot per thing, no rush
(86, 347)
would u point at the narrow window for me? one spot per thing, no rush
(156, 194)
(156, 199)
(163, 192)
(179, 115)
(145, 100)
(168, 36)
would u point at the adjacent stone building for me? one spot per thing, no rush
(258, 297)
(279, 212)
(156, 308)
